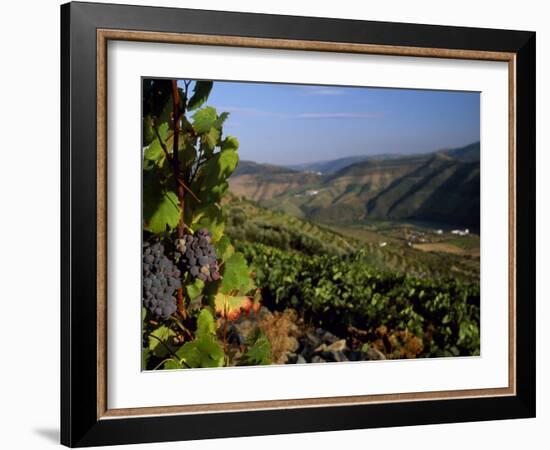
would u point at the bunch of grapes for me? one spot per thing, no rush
(198, 255)
(161, 278)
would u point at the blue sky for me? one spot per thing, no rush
(292, 124)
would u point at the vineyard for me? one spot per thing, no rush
(227, 282)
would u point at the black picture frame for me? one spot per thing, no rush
(80, 425)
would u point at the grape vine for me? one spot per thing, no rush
(191, 273)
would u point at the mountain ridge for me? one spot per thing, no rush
(467, 152)
(435, 187)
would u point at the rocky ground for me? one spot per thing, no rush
(292, 341)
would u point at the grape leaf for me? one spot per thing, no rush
(259, 353)
(221, 119)
(227, 304)
(194, 289)
(148, 131)
(159, 340)
(210, 139)
(153, 154)
(210, 217)
(224, 249)
(204, 350)
(235, 275)
(172, 364)
(160, 207)
(201, 91)
(211, 185)
(204, 119)
(230, 143)
(145, 354)
(205, 324)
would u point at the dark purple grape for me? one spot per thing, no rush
(161, 279)
(199, 258)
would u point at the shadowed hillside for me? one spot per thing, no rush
(436, 187)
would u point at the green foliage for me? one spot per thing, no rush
(259, 352)
(204, 350)
(200, 94)
(236, 276)
(194, 289)
(186, 164)
(211, 184)
(211, 217)
(339, 292)
(161, 208)
(230, 143)
(204, 119)
(159, 341)
(226, 304)
(224, 248)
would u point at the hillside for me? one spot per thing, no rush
(435, 187)
(467, 153)
(261, 183)
(249, 222)
(441, 190)
(331, 166)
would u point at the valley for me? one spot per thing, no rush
(441, 187)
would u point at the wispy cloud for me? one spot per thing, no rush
(254, 112)
(338, 115)
(247, 111)
(322, 90)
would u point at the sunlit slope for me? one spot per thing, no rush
(249, 222)
(437, 187)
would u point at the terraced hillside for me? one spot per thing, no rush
(386, 247)
(438, 187)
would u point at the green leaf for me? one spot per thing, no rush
(224, 249)
(154, 153)
(235, 275)
(221, 119)
(145, 355)
(201, 91)
(152, 150)
(210, 217)
(148, 131)
(204, 119)
(259, 353)
(163, 129)
(161, 208)
(187, 155)
(172, 364)
(159, 340)
(226, 304)
(205, 324)
(211, 184)
(230, 143)
(204, 350)
(210, 139)
(194, 289)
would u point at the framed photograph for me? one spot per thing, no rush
(276, 224)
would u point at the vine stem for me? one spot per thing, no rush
(175, 158)
(164, 345)
(161, 363)
(225, 330)
(188, 189)
(182, 327)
